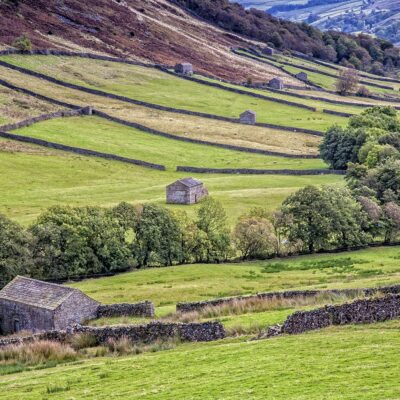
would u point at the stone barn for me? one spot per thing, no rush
(184, 69)
(268, 51)
(302, 76)
(186, 191)
(276, 83)
(248, 117)
(32, 305)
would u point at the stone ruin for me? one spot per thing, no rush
(248, 117)
(268, 51)
(184, 69)
(276, 83)
(302, 76)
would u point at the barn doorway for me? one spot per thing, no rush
(16, 325)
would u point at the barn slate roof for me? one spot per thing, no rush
(248, 112)
(189, 182)
(36, 293)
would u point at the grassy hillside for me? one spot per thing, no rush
(15, 106)
(157, 87)
(33, 182)
(101, 135)
(167, 286)
(320, 364)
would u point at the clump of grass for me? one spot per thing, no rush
(256, 305)
(83, 341)
(56, 388)
(36, 353)
(124, 346)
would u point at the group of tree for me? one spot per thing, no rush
(361, 51)
(66, 242)
(369, 149)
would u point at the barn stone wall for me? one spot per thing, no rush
(77, 309)
(24, 318)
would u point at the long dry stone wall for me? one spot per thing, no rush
(37, 95)
(292, 294)
(46, 117)
(249, 171)
(81, 151)
(358, 312)
(326, 73)
(154, 331)
(198, 141)
(64, 53)
(143, 309)
(147, 104)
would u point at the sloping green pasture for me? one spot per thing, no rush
(34, 181)
(152, 85)
(98, 134)
(337, 363)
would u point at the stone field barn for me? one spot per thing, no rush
(186, 191)
(32, 305)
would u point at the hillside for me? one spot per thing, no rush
(148, 30)
(375, 17)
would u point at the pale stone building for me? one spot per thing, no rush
(186, 191)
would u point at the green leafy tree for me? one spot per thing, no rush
(158, 237)
(212, 221)
(15, 255)
(309, 213)
(254, 237)
(78, 241)
(341, 146)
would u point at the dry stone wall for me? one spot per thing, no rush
(249, 171)
(358, 312)
(150, 105)
(143, 309)
(192, 332)
(81, 151)
(292, 294)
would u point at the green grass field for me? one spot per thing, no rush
(337, 363)
(324, 81)
(33, 182)
(177, 124)
(167, 286)
(151, 85)
(101, 135)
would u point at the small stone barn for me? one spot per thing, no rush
(184, 69)
(302, 76)
(186, 191)
(248, 117)
(269, 51)
(276, 83)
(32, 305)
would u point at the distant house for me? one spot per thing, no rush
(276, 83)
(32, 305)
(268, 51)
(186, 191)
(184, 69)
(248, 117)
(302, 76)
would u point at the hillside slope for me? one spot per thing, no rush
(376, 17)
(148, 29)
